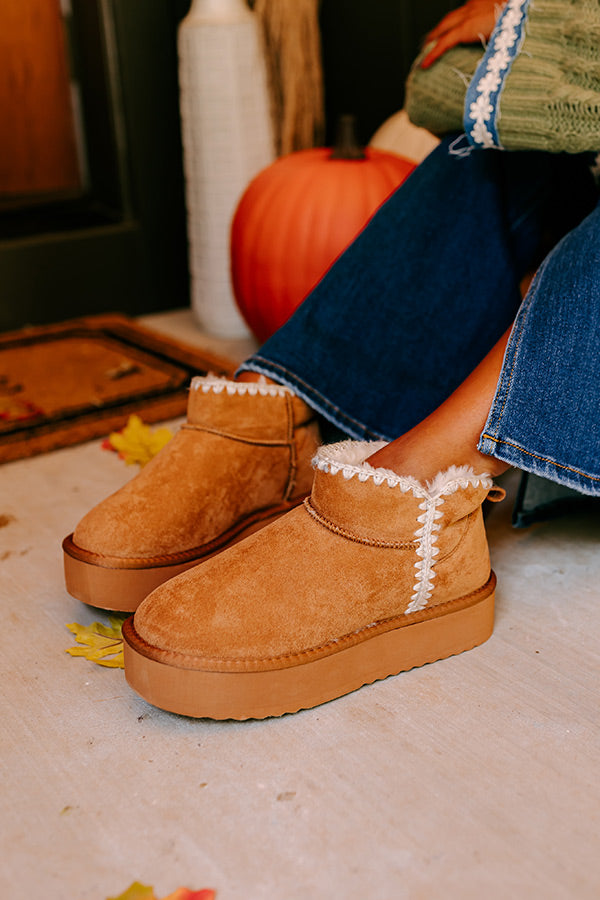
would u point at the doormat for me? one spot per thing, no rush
(69, 383)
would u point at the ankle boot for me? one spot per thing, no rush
(242, 460)
(372, 575)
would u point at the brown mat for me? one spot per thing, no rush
(69, 383)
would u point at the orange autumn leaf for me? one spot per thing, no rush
(186, 894)
(138, 891)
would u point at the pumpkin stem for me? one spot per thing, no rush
(346, 142)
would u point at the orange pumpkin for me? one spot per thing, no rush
(294, 220)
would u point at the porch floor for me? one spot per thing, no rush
(476, 777)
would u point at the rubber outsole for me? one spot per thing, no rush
(204, 693)
(120, 585)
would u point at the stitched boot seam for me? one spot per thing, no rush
(352, 536)
(259, 442)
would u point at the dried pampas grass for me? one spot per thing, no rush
(292, 44)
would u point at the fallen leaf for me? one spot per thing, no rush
(186, 894)
(102, 644)
(137, 443)
(136, 891)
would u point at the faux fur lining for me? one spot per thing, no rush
(349, 459)
(216, 384)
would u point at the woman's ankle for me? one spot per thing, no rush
(424, 461)
(450, 434)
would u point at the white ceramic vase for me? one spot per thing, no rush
(227, 138)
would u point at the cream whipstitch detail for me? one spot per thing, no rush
(214, 384)
(427, 550)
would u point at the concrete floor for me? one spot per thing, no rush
(476, 777)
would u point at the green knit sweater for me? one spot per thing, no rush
(550, 98)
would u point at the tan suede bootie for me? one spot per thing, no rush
(372, 575)
(242, 460)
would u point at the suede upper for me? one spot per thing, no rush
(361, 551)
(241, 451)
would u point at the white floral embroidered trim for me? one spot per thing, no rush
(348, 459)
(217, 385)
(483, 95)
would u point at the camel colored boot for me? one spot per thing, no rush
(242, 460)
(372, 575)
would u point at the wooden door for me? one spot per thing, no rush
(38, 149)
(114, 239)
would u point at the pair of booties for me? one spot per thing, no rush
(354, 573)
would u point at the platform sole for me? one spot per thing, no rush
(120, 585)
(196, 692)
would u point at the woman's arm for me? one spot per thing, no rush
(468, 24)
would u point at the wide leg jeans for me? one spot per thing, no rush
(430, 285)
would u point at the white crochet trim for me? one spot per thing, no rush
(217, 385)
(348, 458)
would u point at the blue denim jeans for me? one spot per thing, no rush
(430, 285)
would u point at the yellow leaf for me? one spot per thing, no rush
(136, 891)
(137, 443)
(102, 644)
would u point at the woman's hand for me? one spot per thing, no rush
(468, 24)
